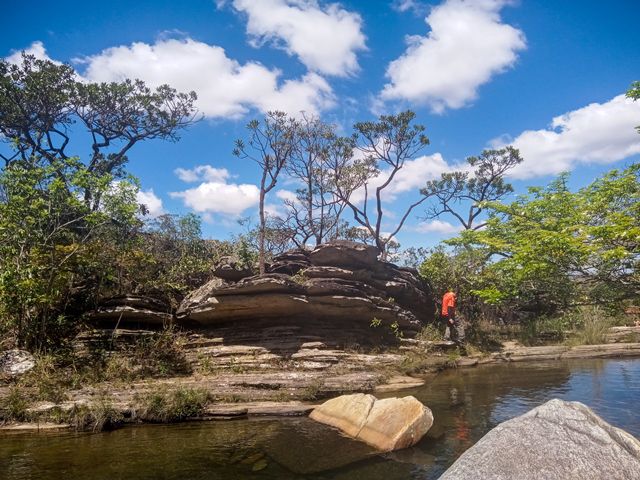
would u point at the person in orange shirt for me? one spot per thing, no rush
(449, 316)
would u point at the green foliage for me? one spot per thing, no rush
(455, 190)
(554, 248)
(375, 322)
(591, 325)
(47, 243)
(464, 269)
(98, 415)
(166, 406)
(430, 333)
(634, 94)
(14, 405)
(43, 103)
(69, 225)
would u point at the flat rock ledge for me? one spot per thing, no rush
(557, 441)
(388, 424)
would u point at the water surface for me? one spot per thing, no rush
(466, 404)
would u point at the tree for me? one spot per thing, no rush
(48, 239)
(67, 224)
(271, 144)
(45, 110)
(472, 192)
(385, 146)
(634, 94)
(315, 212)
(553, 248)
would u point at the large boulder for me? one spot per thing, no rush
(16, 362)
(231, 269)
(558, 440)
(343, 253)
(387, 425)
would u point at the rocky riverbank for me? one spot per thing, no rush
(249, 380)
(318, 324)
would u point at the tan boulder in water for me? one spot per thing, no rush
(387, 424)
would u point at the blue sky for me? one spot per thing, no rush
(545, 76)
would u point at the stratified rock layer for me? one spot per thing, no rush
(388, 424)
(133, 309)
(341, 281)
(558, 440)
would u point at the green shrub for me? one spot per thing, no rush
(165, 406)
(13, 407)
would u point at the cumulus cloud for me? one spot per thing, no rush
(413, 176)
(216, 197)
(202, 172)
(467, 45)
(36, 49)
(214, 194)
(324, 38)
(225, 87)
(599, 133)
(415, 6)
(151, 201)
(437, 226)
(287, 195)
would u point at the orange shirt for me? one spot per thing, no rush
(449, 300)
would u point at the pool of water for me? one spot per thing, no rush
(466, 404)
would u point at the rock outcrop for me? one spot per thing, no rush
(388, 424)
(133, 309)
(558, 440)
(341, 281)
(16, 362)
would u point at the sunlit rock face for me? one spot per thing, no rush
(388, 424)
(556, 441)
(340, 282)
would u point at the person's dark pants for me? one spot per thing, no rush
(457, 328)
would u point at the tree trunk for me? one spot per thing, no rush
(262, 228)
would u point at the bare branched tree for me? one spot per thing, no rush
(44, 106)
(271, 144)
(385, 146)
(314, 214)
(463, 195)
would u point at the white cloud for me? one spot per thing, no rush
(217, 197)
(467, 45)
(202, 172)
(150, 200)
(36, 49)
(413, 176)
(225, 87)
(415, 6)
(438, 226)
(287, 195)
(325, 39)
(599, 133)
(274, 210)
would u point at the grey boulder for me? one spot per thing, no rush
(557, 440)
(16, 362)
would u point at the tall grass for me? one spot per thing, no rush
(591, 326)
(163, 405)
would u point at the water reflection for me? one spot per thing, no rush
(466, 404)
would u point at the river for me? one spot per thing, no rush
(466, 403)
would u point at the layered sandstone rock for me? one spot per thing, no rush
(341, 281)
(133, 309)
(387, 425)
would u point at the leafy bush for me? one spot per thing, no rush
(165, 406)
